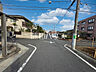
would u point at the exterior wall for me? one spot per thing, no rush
(18, 22)
(64, 36)
(30, 35)
(93, 32)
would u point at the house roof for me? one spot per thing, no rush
(20, 17)
(88, 18)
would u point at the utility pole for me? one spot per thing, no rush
(75, 26)
(4, 35)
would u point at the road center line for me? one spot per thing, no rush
(80, 57)
(23, 65)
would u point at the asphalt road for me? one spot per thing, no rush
(50, 56)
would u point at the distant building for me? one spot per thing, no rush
(62, 35)
(88, 25)
(53, 34)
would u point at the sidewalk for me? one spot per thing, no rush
(10, 59)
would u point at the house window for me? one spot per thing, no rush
(78, 25)
(90, 28)
(91, 20)
(12, 20)
(23, 24)
(83, 22)
(82, 28)
(89, 35)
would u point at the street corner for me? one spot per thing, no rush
(12, 57)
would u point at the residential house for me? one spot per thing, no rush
(62, 35)
(16, 22)
(88, 26)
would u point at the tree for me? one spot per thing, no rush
(69, 33)
(14, 24)
(21, 29)
(40, 29)
(29, 25)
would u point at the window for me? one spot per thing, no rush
(78, 25)
(89, 35)
(23, 24)
(90, 28)
(82, 28)
(12, 20)
(83, 22)
(91, 20)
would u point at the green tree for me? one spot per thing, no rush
(14, 24)
(40, 29)
(29, 25)
(28, 30)
(69, 34)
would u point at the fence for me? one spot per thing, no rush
(30, 35)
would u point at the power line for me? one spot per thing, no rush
(85, 3)
(47, 9)
(22, 6)
(8, 5)
(24, 9)
(90, 3)
(68, 8)
(62, 1)
(55, 0)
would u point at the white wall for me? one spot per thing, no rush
(30, 35)
(18, 22)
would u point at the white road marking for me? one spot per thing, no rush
(23, 65)
(51, 42)
(80, 57)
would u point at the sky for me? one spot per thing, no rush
(54, 16)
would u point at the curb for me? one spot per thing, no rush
(7, 62)
(85, 56)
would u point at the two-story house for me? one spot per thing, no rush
(17, 22)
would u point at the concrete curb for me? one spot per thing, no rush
(85, 56)
(5, 63)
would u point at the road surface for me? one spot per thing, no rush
(50, 56)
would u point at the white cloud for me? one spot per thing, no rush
(60, 12)
(67, 24)
(42, 21)
(85, 8)
(33, 20)
(57, 12)
(42, 1)
(51, 17)
(44, 16)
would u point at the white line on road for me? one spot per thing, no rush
(23, 65)
(80, 57)
(51, 42)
